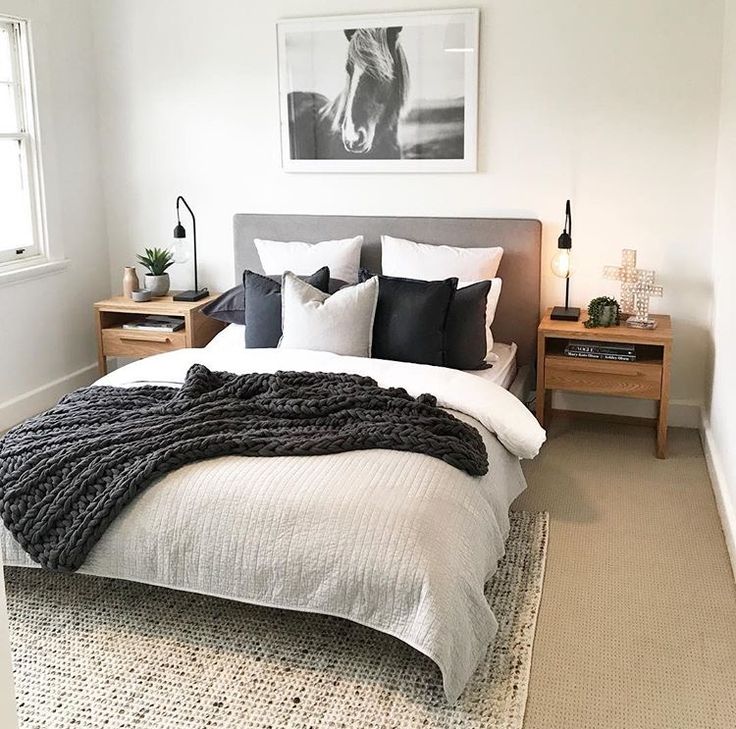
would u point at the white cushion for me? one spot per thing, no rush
(401, 257)
(342, 257)
(231, 338)
(341, 323)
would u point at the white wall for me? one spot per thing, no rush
(720, 431)
(614, 104)
(46, 325)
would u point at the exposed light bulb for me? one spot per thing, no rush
(561, 264)
(181, 250)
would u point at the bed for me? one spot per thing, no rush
(398, 541)
(502, 372)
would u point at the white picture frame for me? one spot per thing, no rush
(385, 92)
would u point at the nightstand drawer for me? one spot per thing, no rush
(631, 379)
(119, 342)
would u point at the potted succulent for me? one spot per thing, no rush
(603, 311)
(156, 261)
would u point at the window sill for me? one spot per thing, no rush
(28, 270)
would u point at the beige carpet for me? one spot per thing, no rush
(637, 627)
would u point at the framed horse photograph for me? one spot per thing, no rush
(394, 92)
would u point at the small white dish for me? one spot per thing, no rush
(141, 295)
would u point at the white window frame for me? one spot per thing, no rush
(28, 139)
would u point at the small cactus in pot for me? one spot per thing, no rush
(156, 261)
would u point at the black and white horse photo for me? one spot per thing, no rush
(369, 93)
(363, 119)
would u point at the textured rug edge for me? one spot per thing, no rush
(519, 711)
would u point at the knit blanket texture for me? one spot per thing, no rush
(67, 473)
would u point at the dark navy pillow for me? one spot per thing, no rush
(465, 341)
(411, 319)
(262, 301)
(230, 306)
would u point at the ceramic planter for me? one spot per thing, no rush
(158, 285)
(609, 316)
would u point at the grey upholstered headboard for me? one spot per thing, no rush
(518, 310)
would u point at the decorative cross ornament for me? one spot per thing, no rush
(629, 275)
(637, 286)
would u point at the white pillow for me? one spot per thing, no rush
(230, 339)
(342, 257)
(341, 323)
(400, 257)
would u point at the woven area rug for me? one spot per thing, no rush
(90, 652)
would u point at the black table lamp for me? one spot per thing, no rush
(179, 232)
(561, 268)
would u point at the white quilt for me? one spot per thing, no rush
(401, 542)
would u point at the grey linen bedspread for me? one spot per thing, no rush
(67, 473)
(398, 541)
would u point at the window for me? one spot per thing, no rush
(21, 212)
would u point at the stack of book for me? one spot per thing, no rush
(156, 324)
(619, 352)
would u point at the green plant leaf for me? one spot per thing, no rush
(156, 260)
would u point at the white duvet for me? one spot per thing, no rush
(401, 542)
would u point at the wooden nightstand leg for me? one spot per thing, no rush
(541, 404)
(541, 396)
(101, 359)
(662, 429)
(664, 405)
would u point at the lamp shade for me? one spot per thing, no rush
(565, 240)
(179, 231)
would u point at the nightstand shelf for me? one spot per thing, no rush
(647, 378)
(115, 341)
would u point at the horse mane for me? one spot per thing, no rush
(370, 49)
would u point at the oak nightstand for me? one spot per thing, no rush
(114, 341)
(647, 378)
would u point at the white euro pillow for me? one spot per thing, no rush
(341, 323)
(405, 258)
(341, 256)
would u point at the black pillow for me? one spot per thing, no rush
(336, 284)
(466, 328)
(263, 305)
(230, 306)
(411, 318)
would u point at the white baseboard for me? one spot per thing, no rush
(682, 413)
(31, 403)
(724, 500)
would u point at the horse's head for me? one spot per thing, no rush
(375, 89)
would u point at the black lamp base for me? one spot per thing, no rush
(565, 313)
(191, 295)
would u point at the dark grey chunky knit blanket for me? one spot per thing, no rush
(67, 473)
